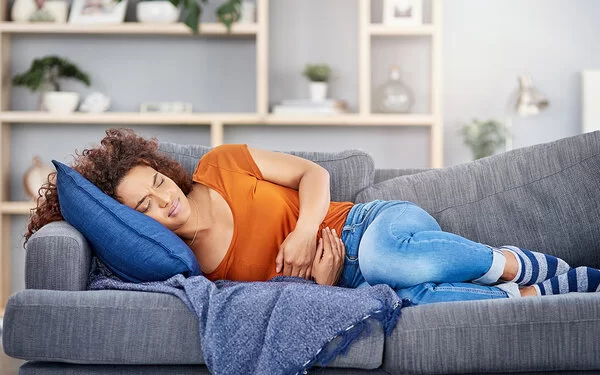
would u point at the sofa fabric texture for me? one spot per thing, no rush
(543, 197)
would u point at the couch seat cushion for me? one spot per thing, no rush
(551, 333)
(126, 327)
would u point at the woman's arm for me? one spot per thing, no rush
(297, 252)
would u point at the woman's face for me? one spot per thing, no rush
(154, 194)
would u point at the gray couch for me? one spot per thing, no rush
(545, 197)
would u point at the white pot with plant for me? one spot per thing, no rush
(318, 75)
(157, 11)
(44, 76)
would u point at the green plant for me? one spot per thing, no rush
(317, 72)
(484, 137)
(227, 13)
(49, 70)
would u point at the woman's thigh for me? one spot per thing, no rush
(404, 246)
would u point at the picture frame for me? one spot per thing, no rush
(97, 12)
(402, 12)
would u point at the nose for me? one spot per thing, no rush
(162, 199)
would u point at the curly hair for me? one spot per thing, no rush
(105, 166)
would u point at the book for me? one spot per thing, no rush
(307, 103)
(282, 109)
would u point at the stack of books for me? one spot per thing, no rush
(307, 107)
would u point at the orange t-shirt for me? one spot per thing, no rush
(264, 213)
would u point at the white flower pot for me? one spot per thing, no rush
(318, 91)
(157, 12)
(60, 102)
(58, 8)
(22, 10)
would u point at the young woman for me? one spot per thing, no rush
(250, 214)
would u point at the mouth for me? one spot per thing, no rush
(174, 208)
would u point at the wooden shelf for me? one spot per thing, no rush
(351, 120)
(127, 28)
(36, 117)
(25, 117)
(378, 29)
(16, 208)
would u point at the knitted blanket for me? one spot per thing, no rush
(281, 326)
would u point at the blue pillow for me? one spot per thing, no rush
(134, 246)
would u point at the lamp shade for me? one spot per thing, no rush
(529, 100)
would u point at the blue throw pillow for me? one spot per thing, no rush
(134, 246)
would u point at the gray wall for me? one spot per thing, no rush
(486, 45)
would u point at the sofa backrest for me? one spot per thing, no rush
(544, 197)
(350, 171)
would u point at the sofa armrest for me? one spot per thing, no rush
(58, 257)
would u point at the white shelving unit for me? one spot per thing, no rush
(216, 121)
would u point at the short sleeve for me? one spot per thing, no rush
(230, 157)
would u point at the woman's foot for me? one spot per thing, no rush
(580, 279)
(526, 267)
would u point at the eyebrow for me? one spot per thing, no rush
(145, 196)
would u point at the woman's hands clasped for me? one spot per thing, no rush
(329, 260)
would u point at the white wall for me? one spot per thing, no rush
(487, 44)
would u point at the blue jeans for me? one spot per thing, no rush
(399, 244)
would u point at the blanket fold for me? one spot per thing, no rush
(277, 327)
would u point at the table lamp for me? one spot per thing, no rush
(526, 100)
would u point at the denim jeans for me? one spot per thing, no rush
(399, 244)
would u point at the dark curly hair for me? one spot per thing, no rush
(105, 166)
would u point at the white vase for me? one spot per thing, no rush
(58, 9)
(22, 10)
(157, 12)
(318, 91)
(60, 102)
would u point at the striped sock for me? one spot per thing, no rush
(580, 279)
(535, 267)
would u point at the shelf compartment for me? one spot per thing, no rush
(127, 28)
(16, 208)
(377, 29)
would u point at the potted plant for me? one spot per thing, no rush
(44, 75)
(318, 75)
(149, 10)
(484, 137)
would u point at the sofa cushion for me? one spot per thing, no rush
(350, 171)
(127, 327)
(543, 197)
(552, 333)
(134, 246)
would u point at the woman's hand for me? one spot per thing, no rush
(329, 260)
(296, 254)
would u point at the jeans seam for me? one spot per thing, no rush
(470, 290)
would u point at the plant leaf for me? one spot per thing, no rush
(229, 12)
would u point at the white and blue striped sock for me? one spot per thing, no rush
(535, 267)
(580, 279)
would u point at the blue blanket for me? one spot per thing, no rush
(281, 326)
